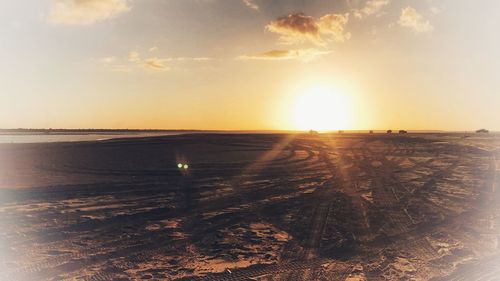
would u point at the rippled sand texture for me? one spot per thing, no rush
(260, 207)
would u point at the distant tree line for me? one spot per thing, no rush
(50, 130)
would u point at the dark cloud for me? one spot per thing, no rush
(299, 28)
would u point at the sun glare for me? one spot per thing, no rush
(321, 108)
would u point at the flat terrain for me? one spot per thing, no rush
(252, 207)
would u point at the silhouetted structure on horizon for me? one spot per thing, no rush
(482, 131)
(389, 131)
(403, 132)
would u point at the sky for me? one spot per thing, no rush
(250, 64)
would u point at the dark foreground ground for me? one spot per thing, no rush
(252, 207)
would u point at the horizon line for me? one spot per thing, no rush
(220, 130)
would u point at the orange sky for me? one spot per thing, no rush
(244, 65)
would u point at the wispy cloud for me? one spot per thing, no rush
(435, 10)
(134, 57)
(412, 19)
(251, 4)
(371, 7)
(195, 59)
(85, 12)
(299, 28)
(155, 64)
(135, 60)
(298, 54)
(108, 59)
(334, 24)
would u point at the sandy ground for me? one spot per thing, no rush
(252, 207)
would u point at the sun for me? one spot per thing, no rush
(321, 108)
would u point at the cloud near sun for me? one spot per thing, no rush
(299, 28)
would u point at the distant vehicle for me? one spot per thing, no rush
(371, 131)
(389, 131)
(403, 132)
(313, 132)
(482, 131)
(341, 131)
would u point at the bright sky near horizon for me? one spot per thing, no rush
(250, 64)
